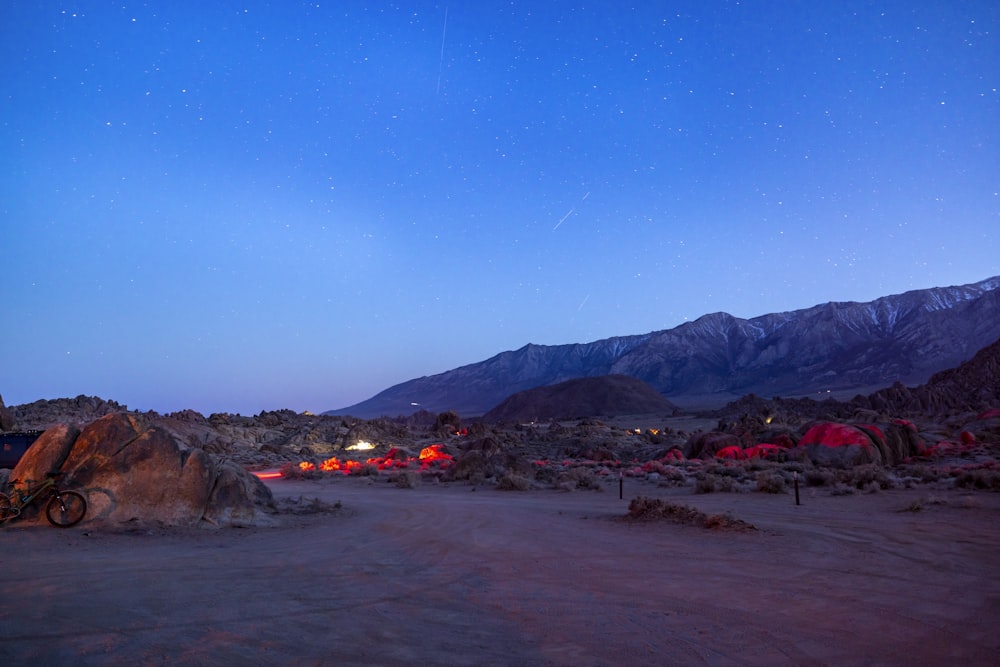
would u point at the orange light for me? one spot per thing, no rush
(434, 453)
(307, 466)
(268, 475)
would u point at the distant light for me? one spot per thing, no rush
(362, 445)
(412, 403)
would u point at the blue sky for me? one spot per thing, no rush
(236, 207)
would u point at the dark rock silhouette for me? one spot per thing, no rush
(609, 395)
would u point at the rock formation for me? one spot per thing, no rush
(130, 471)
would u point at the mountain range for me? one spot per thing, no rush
(835, 347)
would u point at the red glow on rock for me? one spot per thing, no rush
(434, 453)
(733, 452)
(764, 451)
(336, 465)
(967, 437)
(835, 435)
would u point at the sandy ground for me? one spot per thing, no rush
(446, 575)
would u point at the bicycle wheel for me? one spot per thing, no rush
(66, 509)
(6, 511)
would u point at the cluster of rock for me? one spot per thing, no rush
(131, 470)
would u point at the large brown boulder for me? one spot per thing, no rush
(132, 473)
(842, 445)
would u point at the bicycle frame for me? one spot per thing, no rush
(22, 498)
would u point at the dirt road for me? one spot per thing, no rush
(443, 575)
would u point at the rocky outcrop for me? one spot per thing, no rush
(707, 445)
(130, 471)
(77, 411)
(847, 445)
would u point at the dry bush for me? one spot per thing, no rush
(713, 483)
(366, 470)
(920, 504)
(293, 471)
(707, 483)
(511, 481)
(545, 474)
(921, 473)
(771, 481)
(578, 478)
(302, 505)
(979, 479)
(866, 476)
(407, 479)
(653, 509)
(736, 469)
(673, 474)
(819, 477)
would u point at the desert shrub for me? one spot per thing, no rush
(819, 477)
(771, 481)
(474, 466)
(302, 505)
(979, 479)
(712, 483)
(728, 521)
(293, 471)
(841, 489)
(735, 469)
(407, 479)
(920, 473)
(917, 505)
(545, 474)
(578, 478)
(510, 481)
(863, 476)
(707, 483)
(653, 509)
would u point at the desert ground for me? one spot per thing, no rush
(450, 574)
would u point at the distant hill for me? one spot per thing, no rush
(970, 387)
(607, 396)
(831, 347)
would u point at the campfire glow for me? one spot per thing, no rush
(432, 456)
(361, 445)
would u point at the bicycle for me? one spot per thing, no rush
(64, 509)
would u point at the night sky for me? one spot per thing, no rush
(236, 207)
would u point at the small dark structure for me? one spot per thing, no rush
(14, 444)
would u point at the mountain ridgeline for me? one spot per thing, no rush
(831, 347)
